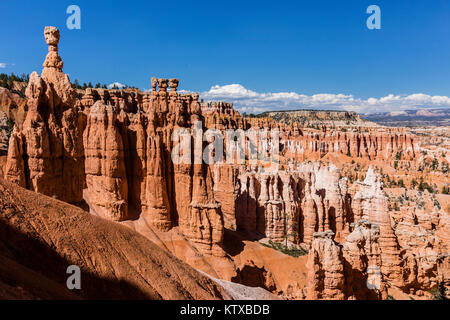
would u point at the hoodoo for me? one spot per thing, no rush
(326, 225)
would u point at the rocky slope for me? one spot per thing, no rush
(13, 105)
(41, 237)
(13, 109)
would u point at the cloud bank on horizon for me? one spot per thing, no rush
(249, 101)
(116, 84)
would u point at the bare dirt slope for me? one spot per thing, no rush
(40, 237)
(248, 262)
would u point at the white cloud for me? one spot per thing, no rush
(116, 84)
(246, 100)
(2, 65)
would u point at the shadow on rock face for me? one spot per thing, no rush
(253, 276)
(33, 270)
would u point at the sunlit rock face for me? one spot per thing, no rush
(110, 152)
(362, 255)
(294, 203)
(325, 268)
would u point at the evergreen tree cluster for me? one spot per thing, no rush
(7, 81)
(76, 85)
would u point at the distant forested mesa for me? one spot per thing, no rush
(10, 82)
(76, 85)
(7, 81)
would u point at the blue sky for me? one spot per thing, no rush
(246, 49)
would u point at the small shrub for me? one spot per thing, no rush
(425, 186)
(434, 164)
(293, 252)
(437, 204)
(9, 129)
(439, 292)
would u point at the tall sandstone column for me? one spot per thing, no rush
(52, 132)
(370, 203)
(109, 151)
(106, 181)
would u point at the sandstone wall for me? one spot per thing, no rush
(294, 203)
(110, 151)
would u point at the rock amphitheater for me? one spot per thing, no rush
(321, 227)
